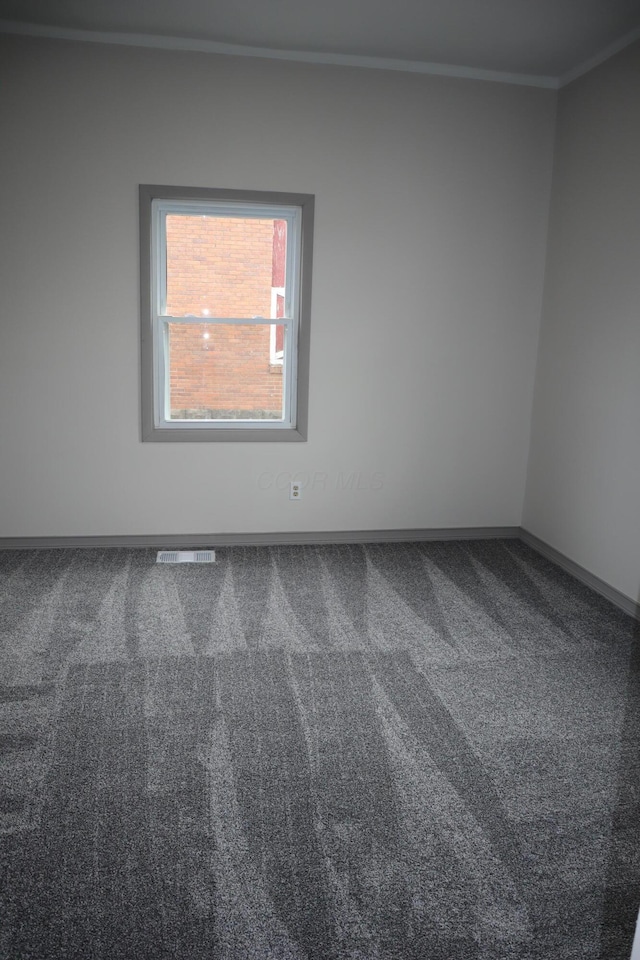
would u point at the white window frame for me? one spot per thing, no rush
(156, 202)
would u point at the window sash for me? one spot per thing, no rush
(162, 416)
(161, 319)
(162, 208)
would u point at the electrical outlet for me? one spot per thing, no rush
(295, 490)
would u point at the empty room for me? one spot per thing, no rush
(319, 480)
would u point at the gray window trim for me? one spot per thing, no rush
(210, 431)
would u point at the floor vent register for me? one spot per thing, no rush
(186, 556)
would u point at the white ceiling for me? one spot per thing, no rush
(544, 41)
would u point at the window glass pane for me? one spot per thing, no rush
(223, 371)
(222, 266)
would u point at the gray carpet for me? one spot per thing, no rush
(401, 752)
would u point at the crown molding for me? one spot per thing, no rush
(190, 44)
(302, 56)
(598, 58)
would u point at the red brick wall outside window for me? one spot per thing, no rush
(223, 267)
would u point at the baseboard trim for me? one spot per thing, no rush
(216, 540)
(621, 600)
(213, 540)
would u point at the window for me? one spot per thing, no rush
(225, 304)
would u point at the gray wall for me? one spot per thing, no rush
(431, 216)
(583, 491)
